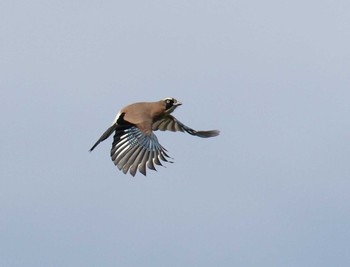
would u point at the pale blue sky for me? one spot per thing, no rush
(271, 190)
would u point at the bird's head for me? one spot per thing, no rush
(170, 104)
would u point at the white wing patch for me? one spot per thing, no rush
(116, 118)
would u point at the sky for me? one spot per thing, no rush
(271, 190)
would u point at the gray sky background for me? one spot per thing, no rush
(271, 190)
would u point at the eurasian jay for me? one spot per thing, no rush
(135, 146)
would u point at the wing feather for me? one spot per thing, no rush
(133, 150)
(170, 123)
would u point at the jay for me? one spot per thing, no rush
(135, 145)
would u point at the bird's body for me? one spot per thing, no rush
(135, 146)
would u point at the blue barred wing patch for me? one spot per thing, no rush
(134, 150)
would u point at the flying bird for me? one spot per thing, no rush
(135, 145)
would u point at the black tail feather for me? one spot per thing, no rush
(104, 136)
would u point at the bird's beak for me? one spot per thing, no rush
(177, 103)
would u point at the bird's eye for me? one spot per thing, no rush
(169, 103)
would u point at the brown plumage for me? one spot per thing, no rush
(135, 146)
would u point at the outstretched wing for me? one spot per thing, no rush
(170, 123)
(133, 150)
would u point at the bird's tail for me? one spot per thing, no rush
(104, 136)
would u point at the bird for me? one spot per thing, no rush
(135, 146)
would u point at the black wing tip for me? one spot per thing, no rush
(206, 134)
(133, 172)
(214, 133)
